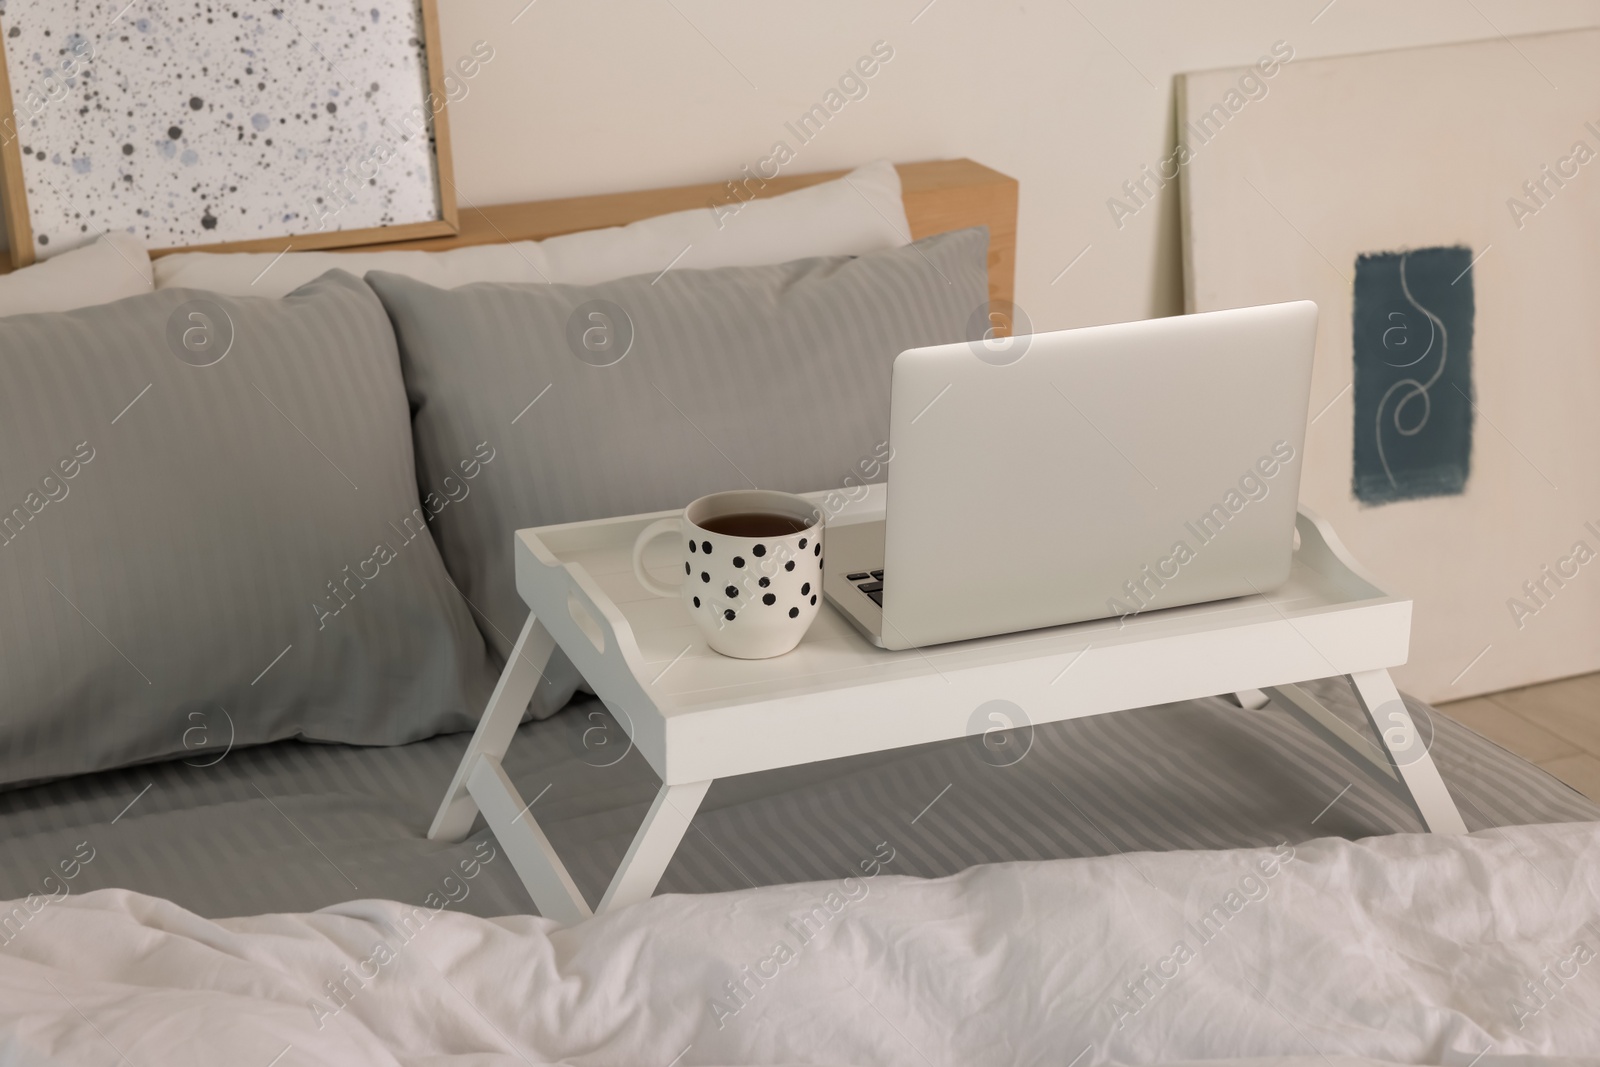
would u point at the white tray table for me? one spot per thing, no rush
(697, 716)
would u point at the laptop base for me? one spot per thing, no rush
(855, 548)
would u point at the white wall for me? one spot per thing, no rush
(1069, 96)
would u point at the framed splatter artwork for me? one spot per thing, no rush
(222, 124)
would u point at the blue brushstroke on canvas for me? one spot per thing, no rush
(1412, 328)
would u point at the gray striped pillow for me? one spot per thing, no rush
(643, 393)
(210, 535)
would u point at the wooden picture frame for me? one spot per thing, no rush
(20, 223)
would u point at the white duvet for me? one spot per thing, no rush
(1411, 949)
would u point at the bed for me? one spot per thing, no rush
(294, 827)
(196, 882)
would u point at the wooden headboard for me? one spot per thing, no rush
(940, 195)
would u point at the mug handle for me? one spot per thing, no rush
(650, 533)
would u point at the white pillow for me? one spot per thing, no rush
(112, 267)
(861, 212)
(850, 216)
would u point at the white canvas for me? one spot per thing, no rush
(190, 125)
(1414, 149)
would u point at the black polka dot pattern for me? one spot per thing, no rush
(787, 576)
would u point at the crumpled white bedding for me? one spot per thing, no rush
(1405, 949)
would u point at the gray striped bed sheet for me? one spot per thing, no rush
(295, 827)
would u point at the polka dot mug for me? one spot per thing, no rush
(752, 569)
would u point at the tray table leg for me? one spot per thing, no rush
(543, 874)
(1407, 752)
(653, 846)
(501, 717)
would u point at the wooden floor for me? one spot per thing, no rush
(1556, 725)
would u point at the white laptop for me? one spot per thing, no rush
(1085, 474)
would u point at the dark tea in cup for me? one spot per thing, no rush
(754, 524)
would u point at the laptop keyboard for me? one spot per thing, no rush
(870, 583)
